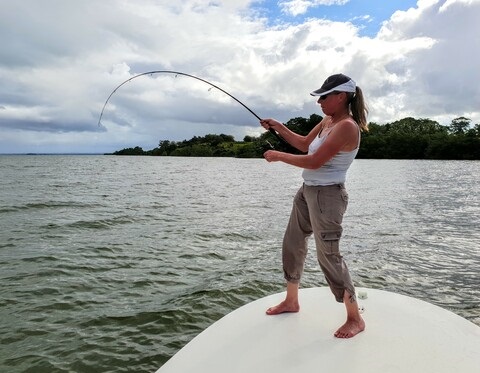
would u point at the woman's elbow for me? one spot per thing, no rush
(303, 147)
(313, 164)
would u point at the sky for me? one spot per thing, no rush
(61, 59)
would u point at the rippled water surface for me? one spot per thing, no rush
(112, 264)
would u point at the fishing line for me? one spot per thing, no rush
(176, 73)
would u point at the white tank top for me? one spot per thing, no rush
(332, 172)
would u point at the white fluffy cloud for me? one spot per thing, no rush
(296, 7)
(60, 59)
(437, 80)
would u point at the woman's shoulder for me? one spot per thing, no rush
(349, 131)
(348, 124)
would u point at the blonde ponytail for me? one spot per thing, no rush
(359, 109)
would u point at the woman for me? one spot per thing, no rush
(320, 203)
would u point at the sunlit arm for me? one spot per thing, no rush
(339, 137)
(309, 161)
(297, 141)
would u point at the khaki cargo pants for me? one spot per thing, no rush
(318, 210)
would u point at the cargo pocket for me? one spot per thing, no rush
(344, 195)
(331, 240)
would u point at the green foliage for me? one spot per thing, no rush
(412, 126)
(411, 138)
(246, 150)
(459, 125)
(130, 151)
(408, 138)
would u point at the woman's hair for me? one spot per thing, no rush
(359, 109)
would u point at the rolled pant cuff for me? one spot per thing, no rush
(291, 279)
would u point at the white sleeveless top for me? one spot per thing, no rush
(332, 172)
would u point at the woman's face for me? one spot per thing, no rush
(330, 103)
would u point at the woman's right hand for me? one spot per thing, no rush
(272, 155)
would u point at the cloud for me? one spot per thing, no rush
(437, 79)
(449, 3)
(60, 60)
(297, 7)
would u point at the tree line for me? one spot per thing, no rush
(408, 138)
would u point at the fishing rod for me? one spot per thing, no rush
(176, 73)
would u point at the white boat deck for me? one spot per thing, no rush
(402, 334)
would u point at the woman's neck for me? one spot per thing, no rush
(337, 117)
(334, 119)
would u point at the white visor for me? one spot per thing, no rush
(349, 86)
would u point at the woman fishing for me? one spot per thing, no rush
(320, 203)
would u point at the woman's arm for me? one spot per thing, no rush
(297, 141)
(341, 136)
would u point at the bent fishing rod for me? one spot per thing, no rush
(176, 73)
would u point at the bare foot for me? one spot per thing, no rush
(351, 328)
(283, 307)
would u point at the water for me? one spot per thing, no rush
(112, 264)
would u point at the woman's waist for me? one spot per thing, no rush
(324, 176)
